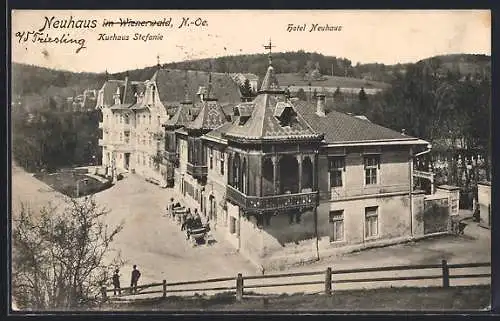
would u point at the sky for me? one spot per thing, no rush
(365, 36)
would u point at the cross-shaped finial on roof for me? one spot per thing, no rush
(269, 47)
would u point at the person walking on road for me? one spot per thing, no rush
(170, 208)
(136, 274)
(116, 282)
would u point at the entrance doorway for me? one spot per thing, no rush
(127, 160)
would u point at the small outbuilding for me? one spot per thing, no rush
(484, 203)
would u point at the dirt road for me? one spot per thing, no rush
(159, 248)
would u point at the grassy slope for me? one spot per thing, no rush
(387, 299)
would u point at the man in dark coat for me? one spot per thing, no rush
(188, 224)
(197, 220)
(136, 274)
(116, 282)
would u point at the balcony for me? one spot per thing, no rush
(197, 171)
(271, 203)
(171, 156)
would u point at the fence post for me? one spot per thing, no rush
(239, 287)
(164, 288)
(328, 281)
(104, 293)
(446, 274)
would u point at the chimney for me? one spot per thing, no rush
(320, 105)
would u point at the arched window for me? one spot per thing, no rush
(236, 171)
(267, 177)
(244, 178)
(289, 174)
(307, 173)
(229, 169)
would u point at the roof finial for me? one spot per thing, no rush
(209, 89)
(158, 61)
(269, 47)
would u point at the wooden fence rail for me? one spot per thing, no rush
(238, 287)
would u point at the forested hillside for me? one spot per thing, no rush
(441, 98)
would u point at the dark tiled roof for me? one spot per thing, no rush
(109, 89)
(211, 116)
(128, 94)
(340, 127)
(181, 117)
(266, 109)
(172, 85)
(218, 132)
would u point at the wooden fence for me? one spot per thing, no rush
(328, 282)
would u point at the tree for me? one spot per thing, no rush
(61, 258)
(246, 89)
(301, 94)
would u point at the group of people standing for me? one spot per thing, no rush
(135, 275)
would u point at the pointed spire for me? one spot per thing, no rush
(158, 61)
(270, 82)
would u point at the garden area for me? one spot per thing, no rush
(74, 182)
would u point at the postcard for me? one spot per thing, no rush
(250, 160)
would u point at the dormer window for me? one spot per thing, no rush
(243, 112)
(285, 113)
(242, 120)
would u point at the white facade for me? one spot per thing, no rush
(132, 133)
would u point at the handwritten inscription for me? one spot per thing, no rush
(41, 37)
(314, 27)
(50, 30)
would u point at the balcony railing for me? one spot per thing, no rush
(271, 203)
(197, 171)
